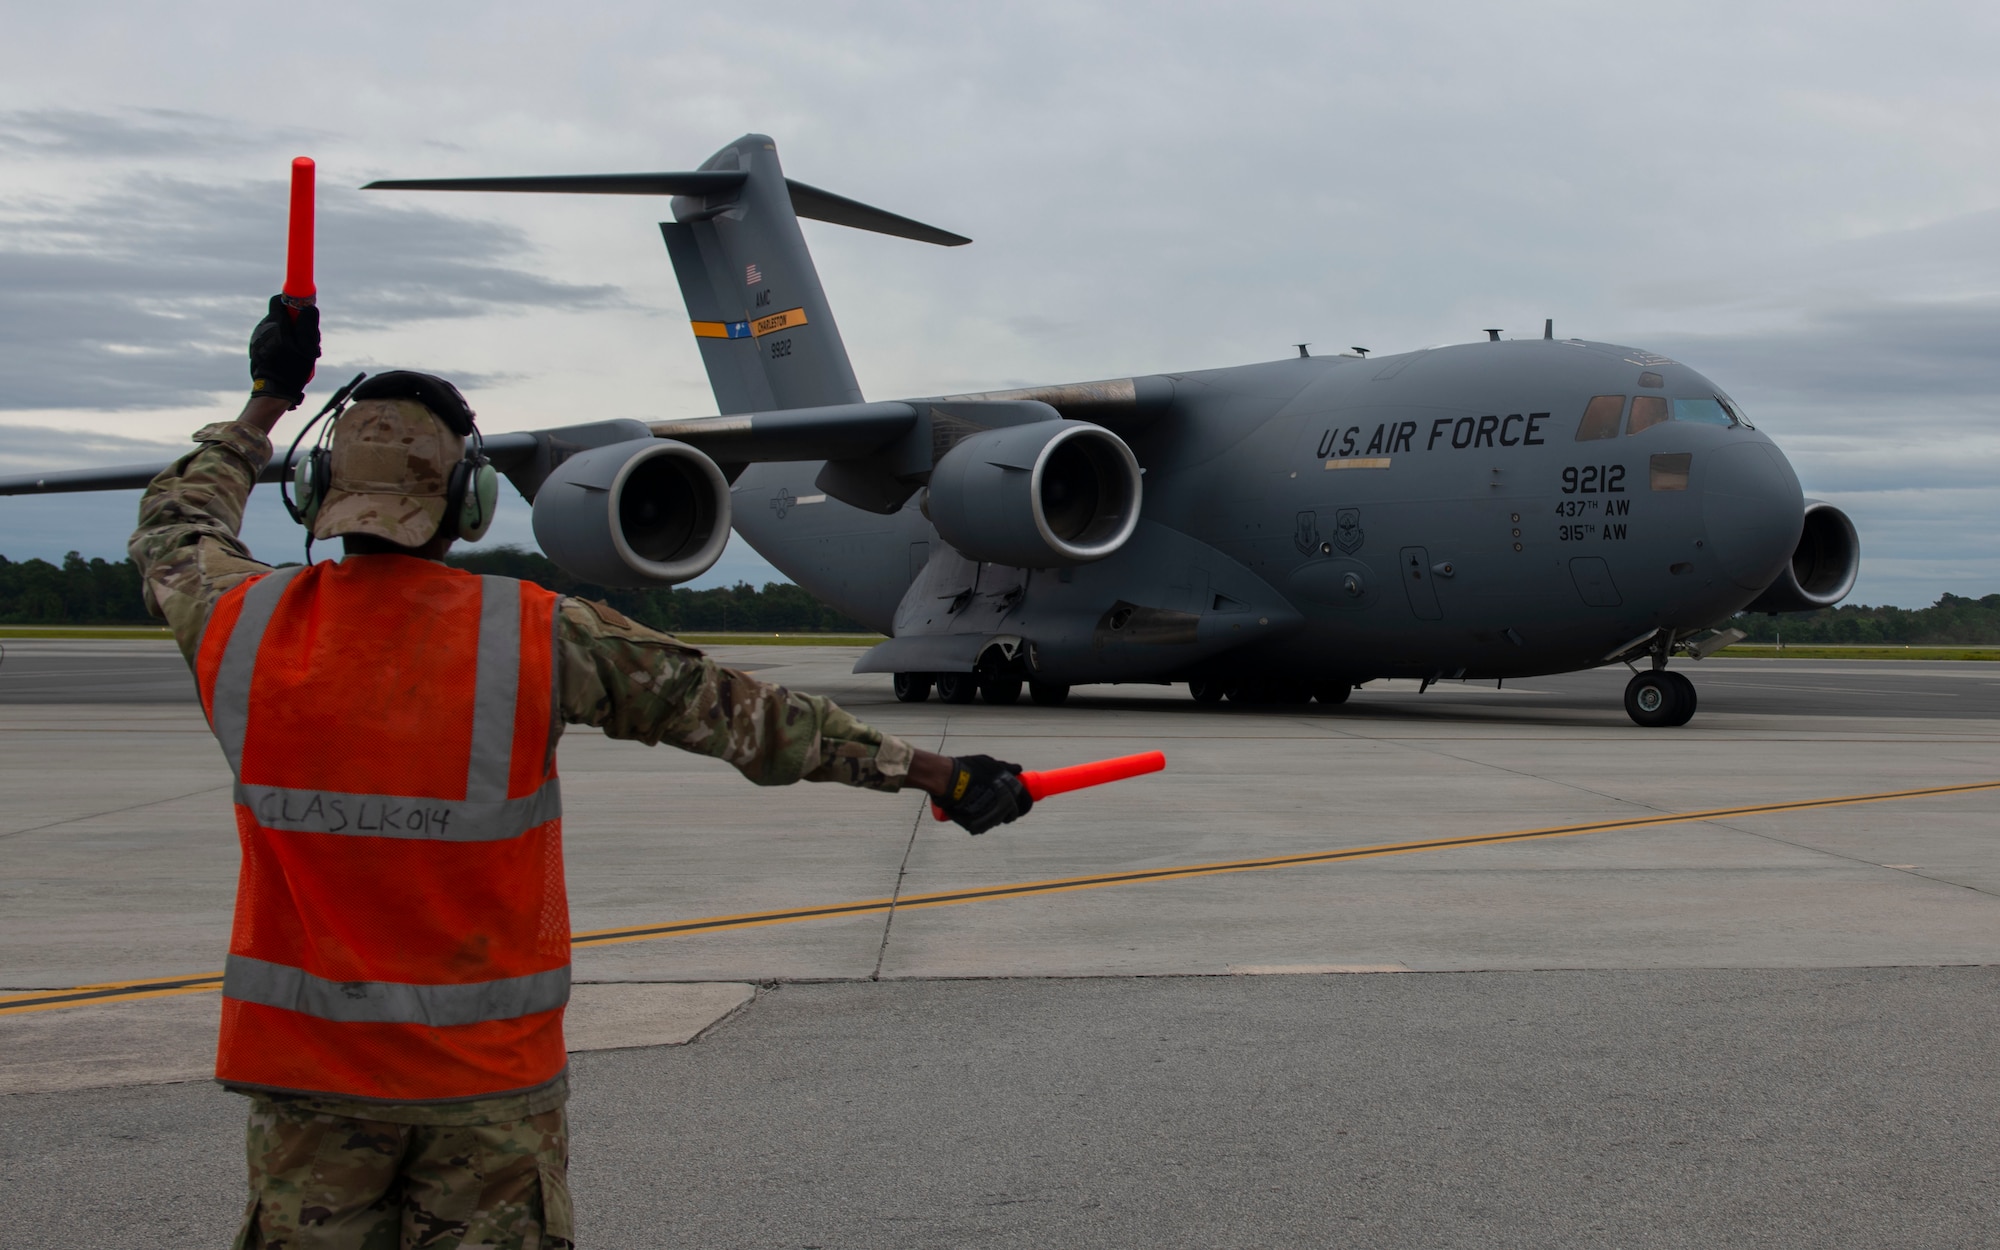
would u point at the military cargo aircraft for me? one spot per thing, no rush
(1275, 532)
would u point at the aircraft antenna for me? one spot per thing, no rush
(1359, 351)
(1493, 336)
(1548, 327)
(1303, 353)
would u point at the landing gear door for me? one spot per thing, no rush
(1418, 584)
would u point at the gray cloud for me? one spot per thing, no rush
(1935, 352)
(142, 296)
(25, 448)
(152, 132)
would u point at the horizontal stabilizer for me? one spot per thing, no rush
(841, 211)
(807, 201)
(696, 182)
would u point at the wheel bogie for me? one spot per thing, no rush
(1688, 698)
(957, 687)
(1659, 699)
(1000, 691)
(1048, 693)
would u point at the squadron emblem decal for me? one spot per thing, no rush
(1347, 533)
(1306, 536)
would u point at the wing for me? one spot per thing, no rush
(877, 454)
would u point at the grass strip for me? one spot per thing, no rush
(781, 640)
(121, 633)
(1764, 651)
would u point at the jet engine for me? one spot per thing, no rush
(1050, 494)
(645, 513)
(1822, 568)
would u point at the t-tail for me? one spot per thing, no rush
(767, 336)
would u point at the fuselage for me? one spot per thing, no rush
(1481, 510)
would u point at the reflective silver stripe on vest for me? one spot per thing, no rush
(494, 690)
(486, 814)
(392, 1002)
(230, 699)
(379, 816)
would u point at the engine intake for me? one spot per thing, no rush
(1050, 494)
(1822, 568)
(650, 512)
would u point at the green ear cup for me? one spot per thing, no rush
(304, 496)
(482, 498)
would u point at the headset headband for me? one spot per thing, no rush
(433, 392)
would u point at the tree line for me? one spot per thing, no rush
(1952, 620)
(104, 592)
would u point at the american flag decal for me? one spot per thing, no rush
(752, 276)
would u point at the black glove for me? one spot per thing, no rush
(283, 348)
(984, 792)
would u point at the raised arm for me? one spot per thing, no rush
(186, 546)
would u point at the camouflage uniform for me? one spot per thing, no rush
(328, 1172)
(326, 1179)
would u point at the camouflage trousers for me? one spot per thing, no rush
(325, 1182)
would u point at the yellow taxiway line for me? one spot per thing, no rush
(126, 991)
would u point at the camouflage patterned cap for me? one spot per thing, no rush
(391, 465)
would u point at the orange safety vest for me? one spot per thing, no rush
(402, 932)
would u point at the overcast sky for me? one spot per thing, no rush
(1802, 201)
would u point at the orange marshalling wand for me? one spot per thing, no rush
(299, 240)
(1080, 776)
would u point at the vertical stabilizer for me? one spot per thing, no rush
(767, 336)
(766, 333)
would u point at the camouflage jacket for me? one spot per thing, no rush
(630, 681)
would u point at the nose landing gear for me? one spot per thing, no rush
(1660, 699)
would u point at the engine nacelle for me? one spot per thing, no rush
(1050, 494)
(645, 513)
(1822, 568)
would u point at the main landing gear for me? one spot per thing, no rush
(994, 688)
(1659, 698)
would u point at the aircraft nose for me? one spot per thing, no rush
(1752, 509)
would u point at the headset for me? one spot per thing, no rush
(472, 492)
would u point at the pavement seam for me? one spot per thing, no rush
(903, 868)
(1417, 744)
(70, 820)
(1852, 859)
(1714, 824)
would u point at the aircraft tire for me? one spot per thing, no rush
(1207, 690)
(1653, 699)
(913, 687)
(1688, 698)
(957, 687)
(1048, 693)
(1333, 694)
(1000, 691)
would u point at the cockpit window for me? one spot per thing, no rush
(1647, 412)
(1600, 418)
(1707, 411)
(1735, 412)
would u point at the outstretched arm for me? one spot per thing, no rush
(637, 683)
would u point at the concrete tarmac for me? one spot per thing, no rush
(1827, 970)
